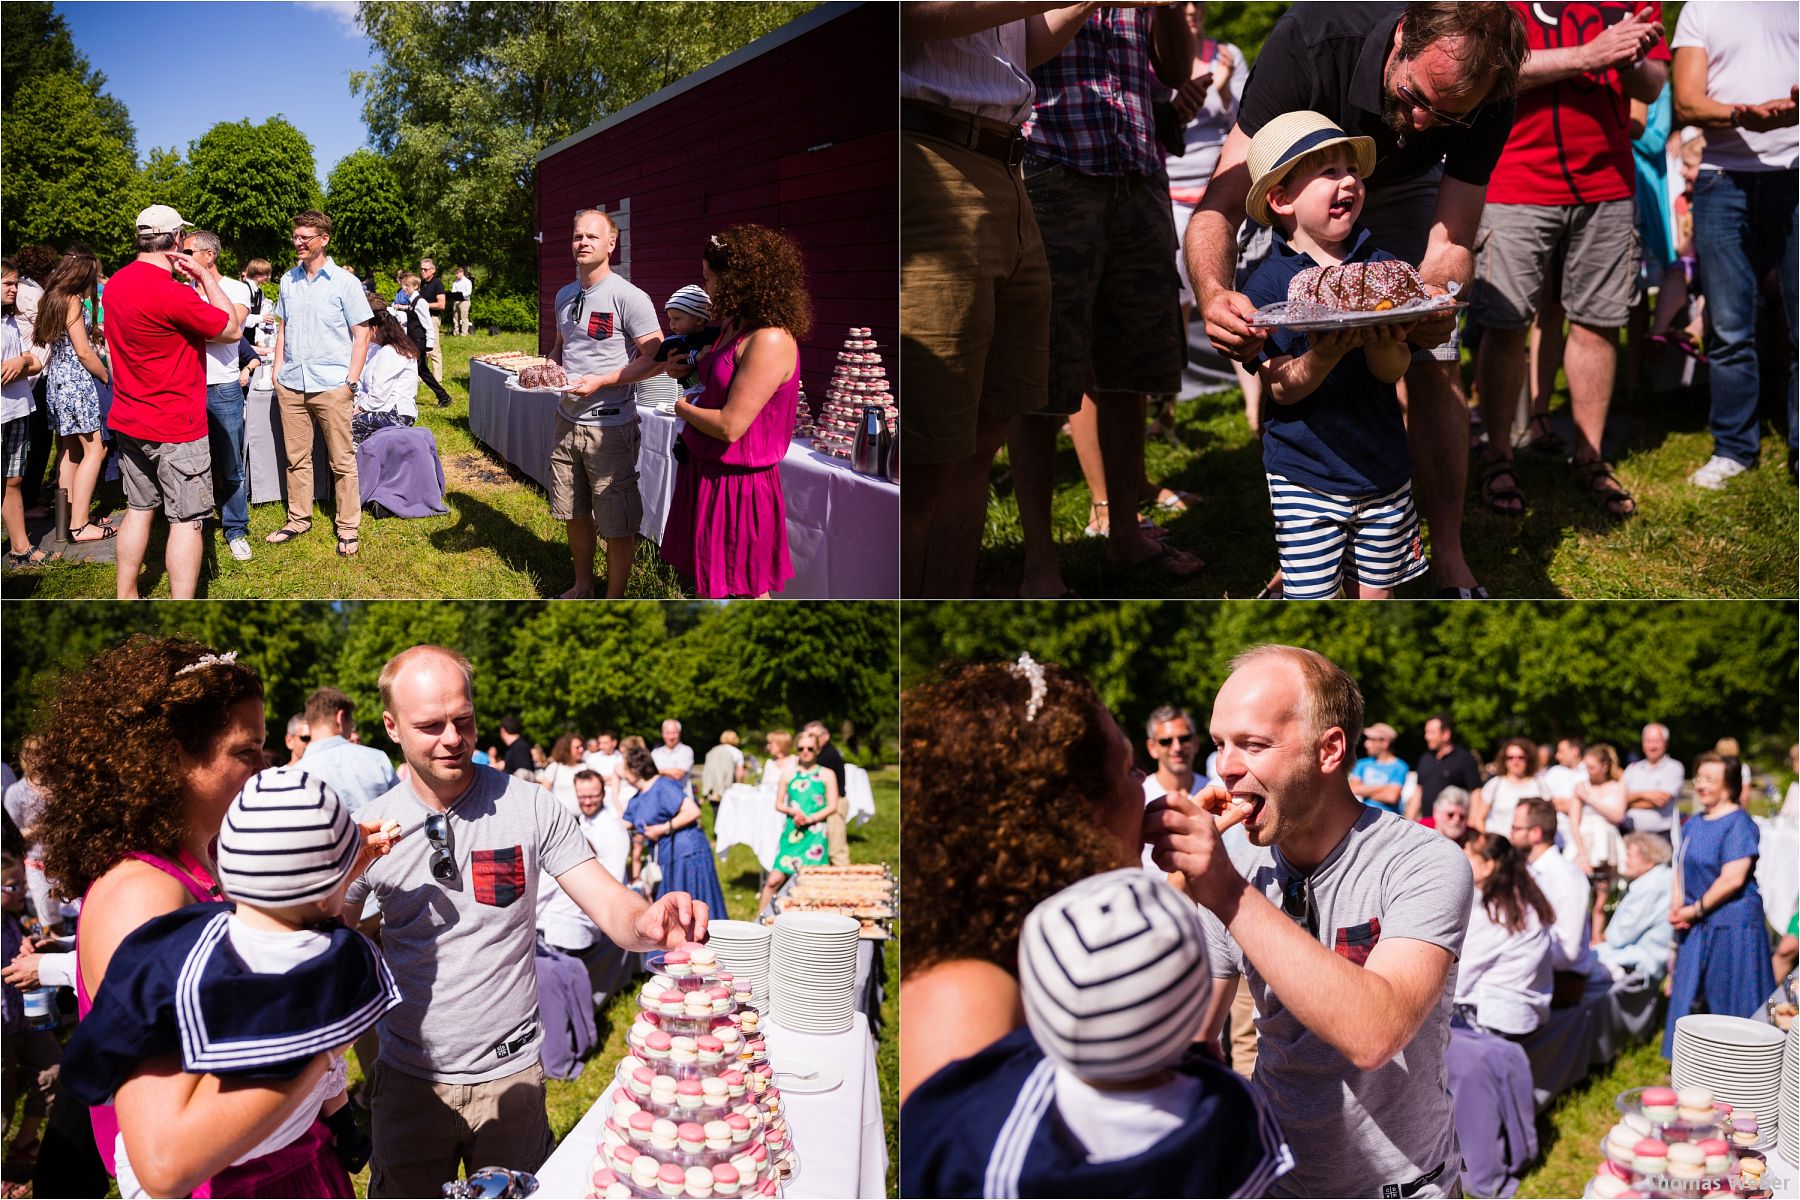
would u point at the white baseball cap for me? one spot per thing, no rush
(160, 218)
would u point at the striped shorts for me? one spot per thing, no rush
(1325, 540)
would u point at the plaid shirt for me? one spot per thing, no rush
(1092, 111)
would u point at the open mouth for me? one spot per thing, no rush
(1341, 209)
(1250, 804)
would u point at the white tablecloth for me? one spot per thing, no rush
(843, 528)
(838, 1135)
(747, 815)
(1778, 871)
(265, 452)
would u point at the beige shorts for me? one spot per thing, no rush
(593, 472)
(425, 1131)
(1589, 251)
(173, 476)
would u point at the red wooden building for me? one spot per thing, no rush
(797, 130)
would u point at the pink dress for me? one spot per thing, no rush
(305, 1167)
(727, 525)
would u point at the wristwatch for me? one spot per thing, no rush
(355, 386)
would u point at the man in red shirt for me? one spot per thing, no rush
(156, 329)
(1559, 207)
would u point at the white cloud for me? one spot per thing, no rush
(342, 12)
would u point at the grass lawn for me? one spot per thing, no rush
(1570, 1130)
(498, 541)
(1684, 542)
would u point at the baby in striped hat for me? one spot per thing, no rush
(258, 988)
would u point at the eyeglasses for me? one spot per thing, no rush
(302, 239)
(1296, 902)
(1186, 739)
(1515, 758)
(305, 737)
(1412, 98)
(807, 750)
(443, 863)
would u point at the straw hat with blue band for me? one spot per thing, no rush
(1288, 137)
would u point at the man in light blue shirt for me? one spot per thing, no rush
(1379, 778)
(1639, 935)
(358, 773)
(320, 346)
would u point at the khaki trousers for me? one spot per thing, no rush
(1243, 1030)
(837, 840)
(424, 1131)
(330, 410)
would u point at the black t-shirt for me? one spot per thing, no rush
(1457, 768)
(1330, 58)
(832, 761)
(432, 289)
(518, 756)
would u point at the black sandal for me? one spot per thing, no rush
(34, 557)
(106, 532)
(1495, 495)
(1592, 476)
(1544, 440)
(351, 552)
(288, 533)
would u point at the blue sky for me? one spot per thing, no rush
(260, 59)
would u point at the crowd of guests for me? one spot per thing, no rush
(123, 836)
(164, 381)
(1091, 176)
(1355, 913)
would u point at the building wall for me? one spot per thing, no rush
(803, 137)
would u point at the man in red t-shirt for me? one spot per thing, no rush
(156, 330)
(1559, 207)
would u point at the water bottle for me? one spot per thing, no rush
(40, 1008)
(867, 456)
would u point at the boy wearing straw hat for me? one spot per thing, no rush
(1334, 441)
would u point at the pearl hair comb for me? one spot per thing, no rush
(1033, 673)
(209, 660)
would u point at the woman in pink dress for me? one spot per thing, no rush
(727, 526)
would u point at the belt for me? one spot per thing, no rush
(985, 137)
(1397, 1191)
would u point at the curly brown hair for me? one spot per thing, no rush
(111, 780)
(761, 279)
(1000, 812)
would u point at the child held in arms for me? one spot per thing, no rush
(1105, 1092)
(689, 311)
(260, 988)
(1334, 440)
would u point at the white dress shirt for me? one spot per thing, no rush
(1505, 975)
(1571, 895)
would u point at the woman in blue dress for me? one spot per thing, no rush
(662, 812)
(1722, 955)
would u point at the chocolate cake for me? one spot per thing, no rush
(1359, 286)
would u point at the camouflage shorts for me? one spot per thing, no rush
(1115, 314)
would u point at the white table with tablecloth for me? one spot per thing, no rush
(747, 816)
(843, 528)
(838, 1135)
(1778, 870)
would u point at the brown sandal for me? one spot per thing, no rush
(1544, 440)
(1496, 495)
(1592, 477)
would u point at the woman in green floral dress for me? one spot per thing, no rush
(807, 795)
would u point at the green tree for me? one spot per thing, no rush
(68, 176)
(371, 225)
(34, 43)
(248, 182)
(166, 179)
(466, 94)
(1243, 23)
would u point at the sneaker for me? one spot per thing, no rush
(240, 548)
(1717, 470)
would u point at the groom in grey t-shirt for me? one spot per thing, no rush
(607, 335)
(1346, 921)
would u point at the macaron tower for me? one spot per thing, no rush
(858, 379)
(692, 1111)
(1677, 1144)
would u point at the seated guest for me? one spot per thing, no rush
(1113, 975)
(724, 762)
(1567, 889)
(389, 393)
(1379, 777)
(1639, 935)
(1503, 979)
(1449, 813)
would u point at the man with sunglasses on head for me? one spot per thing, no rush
(1345, 920)
(607, 335)
(458, 1084)
(1432, 84)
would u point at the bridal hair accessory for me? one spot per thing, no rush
(1031, 672)
(209, 660)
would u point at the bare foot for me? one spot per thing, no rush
(578, 593)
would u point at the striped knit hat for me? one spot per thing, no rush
(287, 839)
(691, 299)
(1114, 975)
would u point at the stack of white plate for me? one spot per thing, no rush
(743, 950)
(812, 976)
(1788, 1135)
(1739, 1059)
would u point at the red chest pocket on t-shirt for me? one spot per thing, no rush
(500, 875)
(600, 325)
(1355, 942)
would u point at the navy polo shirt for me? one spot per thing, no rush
(1347, 438)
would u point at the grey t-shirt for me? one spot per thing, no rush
(599, 332)
(461, 951)
(1354, 1131)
